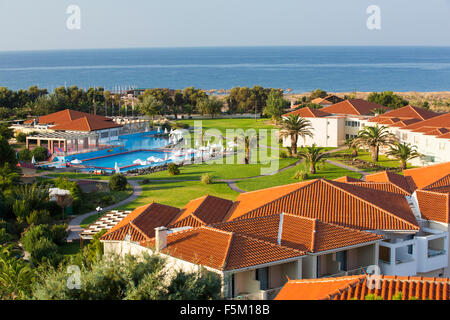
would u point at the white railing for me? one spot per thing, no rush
(269, 294)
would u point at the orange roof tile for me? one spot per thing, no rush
(422, 177)
(334, 202)
(382, 186)
(76, 121)
(435, 205)
(440, 121)
(353, 106)
(202, 211)
(357, 287)
(391, 177)
(223, 250)
(297, 232)
(142, 221)
(307, 112)
(407, 113)
(249, 201)
(347, 179)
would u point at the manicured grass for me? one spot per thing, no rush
(383, 160)
(329, 171)
(177, 194)
(223, 124)
(73, 175)
(218, 171)
(94, 199)
(70, 248)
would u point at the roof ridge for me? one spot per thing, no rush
(379, 183)
(283, 196)
(353, 106)
(227, 250)
(269, 243)
(372, 204)
(138, 229)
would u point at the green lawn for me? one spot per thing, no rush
(218, 171)
(329, 171)
(383, 160)
(177, 194)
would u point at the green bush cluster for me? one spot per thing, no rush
(24, 155)
(42, 241)
(118, 182)
(206, 178)
(173, 169)
(39, 153)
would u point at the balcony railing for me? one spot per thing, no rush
(269, 294)
(353, 272)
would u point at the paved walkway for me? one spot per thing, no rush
(74, 224)
(341, 165)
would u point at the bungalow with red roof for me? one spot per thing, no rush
(70, 130)
(427, 130)
(332, 125)
(367, 287)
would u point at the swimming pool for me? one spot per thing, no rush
(130, 148)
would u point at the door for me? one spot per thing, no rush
(262, 275)
(341, 257)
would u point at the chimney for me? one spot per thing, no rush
(160, 238)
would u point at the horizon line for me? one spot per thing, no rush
(224, 46)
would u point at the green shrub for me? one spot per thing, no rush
(300, 175)
(372, 297)
(118, 182)
(173, 169)
(37, 217)
(397, 296)
(283, 155)
(106, 200)
(59, 233)
(206, 178)
(44, 250)
(39, 153)
(21, 137)
(34, 234)
(180, 125)
(24, 155)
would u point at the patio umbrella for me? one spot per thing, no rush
(116, 168)
(33, 161)
(75, 161)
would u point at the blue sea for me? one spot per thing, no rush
(298, 68)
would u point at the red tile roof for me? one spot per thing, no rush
(142, 221)
(353, 106)
(72, 120)
(347, 179)
(223, 250)
(333, 202)
(439, 122)
(358, 287)
(435, 205)
(423, 177)
(392, 178)
(203, 211)
(406, 113)
(300, 233)
(307, 112)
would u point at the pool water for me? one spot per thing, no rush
(124, 160)
(129, 148)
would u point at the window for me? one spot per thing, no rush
(341, 257)
(442, 146)
(352, 123)
(404, 136)
(104, 135)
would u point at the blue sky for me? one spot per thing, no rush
(41, 25)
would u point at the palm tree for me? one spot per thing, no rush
(403, 152)
(352, 146)
(294, 126)
(312, 156)
(374, 138)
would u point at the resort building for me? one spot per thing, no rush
(333, 125)
(306, 230)
(367, 288)
(69, 132)
(427, 130)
